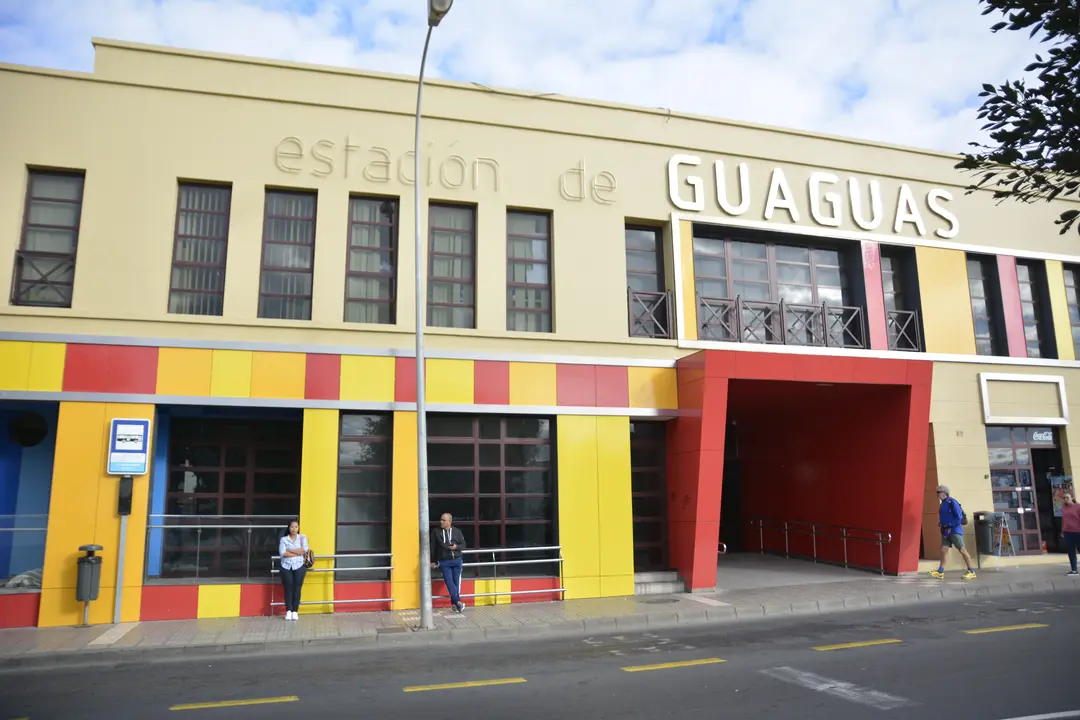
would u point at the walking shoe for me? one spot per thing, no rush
(461, 607)
(455, 608)
(937, 574)
(1072, 572)
(969, 575)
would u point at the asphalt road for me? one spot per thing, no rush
(924, 663)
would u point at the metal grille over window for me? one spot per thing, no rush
(528, 272)
(199, 250)
(452, 266)
(288, 256)
(901, 320)
(647, 295)
(371, 276)
(363, 496)
(45, 261)
(496, 477)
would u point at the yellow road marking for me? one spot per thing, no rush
(235, 703)
(670, 665)
(469, 684)
(864, 643)
(1005, 628)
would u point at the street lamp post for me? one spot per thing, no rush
(437, 10)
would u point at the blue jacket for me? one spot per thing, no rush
(950, 516)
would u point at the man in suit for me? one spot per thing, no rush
(447, 542)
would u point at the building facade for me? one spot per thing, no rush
(649, 334)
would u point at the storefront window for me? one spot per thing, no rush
(648, 480)
(1013, 480)
(364, 494)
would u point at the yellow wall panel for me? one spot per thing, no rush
(580, 588)
(219, 601)
(653, 388)
(578, 496)
(1059, 307)
(278, 375)
(405, 525)
(318, 502)
(230, 374)
(82, 511)
(616, 515)
(946, 302)
(532, 384)
(617, 585)
(450, 381)
(689, 285)
(369, 379)
(47, 367)
(501, 585)
(14, 364)
(184, 371)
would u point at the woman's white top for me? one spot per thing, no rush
(294, 562)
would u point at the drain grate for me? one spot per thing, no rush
(660, 601)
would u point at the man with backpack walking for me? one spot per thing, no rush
(951, 520)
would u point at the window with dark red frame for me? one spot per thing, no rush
(1071, 299)
(242, 476)
(371, 273)
(985, 305)
(650, 304)
(197, 284)
(528, 271)
(45, 261)
(365, 458)
(648, 478)
(1031, 277)
(288, 258)
(496, 476)
(452, 266)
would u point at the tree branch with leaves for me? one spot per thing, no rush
(1035, 129)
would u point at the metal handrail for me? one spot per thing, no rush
(802, 527)
(23, 517)
(274, 570)
(650, 304)
(497, 563)
(198, 526)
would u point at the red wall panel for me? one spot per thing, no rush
(526, 584)
(255, 599)
(110, 368)
(405, 379)
(361, 591)
(322, 377)
(170, 602)
(19, 610)
(491, 382)
(1010, 304)
(875, 295)
(575, 385)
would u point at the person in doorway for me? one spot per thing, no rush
(293, 549)
(951, 522)
(1070, 529)
(447, 542)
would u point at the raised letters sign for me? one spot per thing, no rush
(827, 199)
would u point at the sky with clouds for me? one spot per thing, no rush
(897, 71)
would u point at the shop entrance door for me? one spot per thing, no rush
(1013, 481)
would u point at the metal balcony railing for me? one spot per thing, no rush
(650, 314)
(903, 329)
(42, 279)
(781, 323)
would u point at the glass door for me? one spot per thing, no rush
(1012, 480)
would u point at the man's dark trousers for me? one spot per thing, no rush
(451, 572)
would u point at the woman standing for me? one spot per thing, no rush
(1070, 529)
(292, 548)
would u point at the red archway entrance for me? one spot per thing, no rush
(830, 440)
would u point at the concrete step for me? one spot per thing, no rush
(660, 588)
(651, 577)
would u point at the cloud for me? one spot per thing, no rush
(896, 71)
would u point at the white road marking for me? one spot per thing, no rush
(1050, 716)
(113, 634)
(837, 688)
(707, 601)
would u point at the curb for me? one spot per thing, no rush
(568, 628)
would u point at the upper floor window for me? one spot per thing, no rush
(288, 258)
(197, 285)
(45, 261)
(452, 266)
(371, 274)
(985, 305)
(650, 305)
(528, 272)
(1031, 277)
(1072, 281)
(771, 293)
(898, 288)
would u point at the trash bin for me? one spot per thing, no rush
(984, 533)
(89, 579)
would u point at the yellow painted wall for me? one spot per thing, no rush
(219, 601)
(595, 514)
(231, 373)
(405, 525)
(1059, 307)
(532, 384)
(31, 366)
(449, 381)
(653, 387)
(318, 502)
(82, 511)
(184, 371)
(946, 303)
(689, 285)
(367, 378)
(499, 585)
(277, 375)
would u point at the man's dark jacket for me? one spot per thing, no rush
(442, 539)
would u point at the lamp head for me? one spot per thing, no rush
(437, 10)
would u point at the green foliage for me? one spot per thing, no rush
(1035, 129)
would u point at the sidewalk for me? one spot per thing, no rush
(146, 641)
